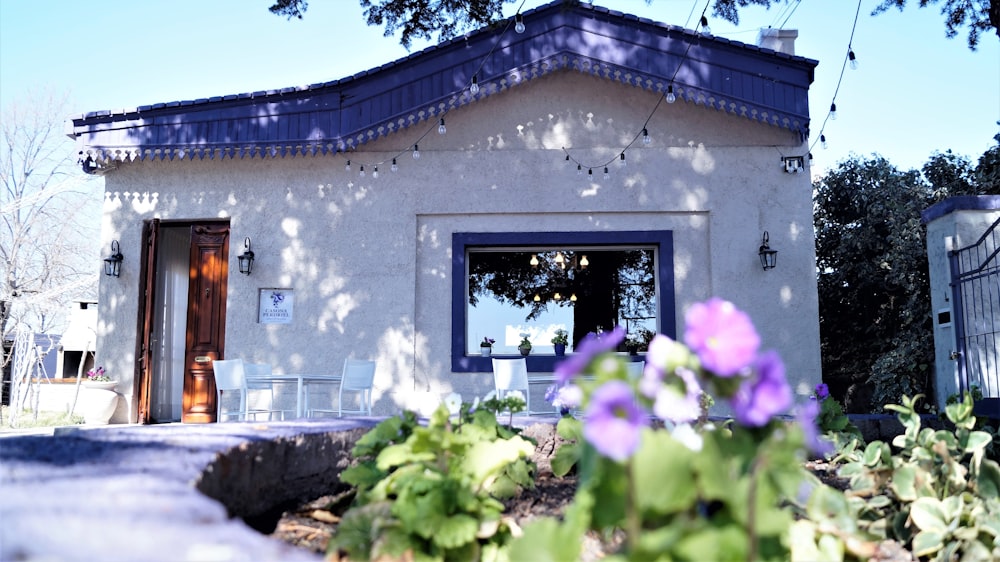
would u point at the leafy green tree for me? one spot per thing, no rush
(874, 298)
(448, 18)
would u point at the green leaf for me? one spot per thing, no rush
(926, 543)
(456, 531)
(928, 514)
(570, 429)
(659, 455)
(396, 455)
(546, 540)
(988, 480)
(362, 475)
(565, 458)
(904, 482)
(977, 440)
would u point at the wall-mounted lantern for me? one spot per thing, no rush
(768, 257)
(113, 263)
(246, 258)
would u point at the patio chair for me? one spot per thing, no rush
(259, 382)
(358, 377)
(230, 377)
(509, 375)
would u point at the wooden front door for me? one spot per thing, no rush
(206, 319)
(147, 292)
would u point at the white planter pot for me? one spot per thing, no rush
(485, 351)
(98, 405)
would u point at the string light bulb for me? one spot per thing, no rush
(645, 136)
(441, 128)
(557, 296)
(853, 59)
(537, 298)
(362, 170)
(416, 152)
(572, 297)
(671, 97)
(534, 260)
(607, 176)
(474, 88)
(395, 167)
(519, 23)
(347, 167)
(375, 172)
(590, 174)
(584, 262)
(704, 26)
(621, 159)
(833, 111)
(579, 169)
(822, 140)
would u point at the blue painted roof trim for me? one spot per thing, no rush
(960, 203)
(739, 79)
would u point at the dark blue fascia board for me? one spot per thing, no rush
(460, 241)
(718, 72)
(960, 203)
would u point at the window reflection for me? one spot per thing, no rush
(537, 290)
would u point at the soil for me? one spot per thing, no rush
(311, 524)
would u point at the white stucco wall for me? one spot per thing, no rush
(369, 259)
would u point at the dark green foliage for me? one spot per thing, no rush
(871, 250)
(448, 18)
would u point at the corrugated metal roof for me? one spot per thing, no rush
(736, 78)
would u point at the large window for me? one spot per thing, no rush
(506, 286)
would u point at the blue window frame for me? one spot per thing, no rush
(464, 242)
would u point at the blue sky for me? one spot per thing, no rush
(914, 93)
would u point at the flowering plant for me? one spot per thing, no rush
(98, 375)
(561, 337)
(487, 342)
(718, 493)
(525, 342)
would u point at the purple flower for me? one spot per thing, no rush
(759, 399)
(663, 357)
(614, 421)
(590, 346)
(722, 336)
(822, 392)
(806, 418)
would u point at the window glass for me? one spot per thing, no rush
(533, 291)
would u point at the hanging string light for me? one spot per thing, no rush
(441, 128)
(607, 176)
(833, 111)
(395, 167)
(375, 172)
(621, 159)
(416, 152)
(347, 167)
(645, 137)
(362, 170)
(704, 26)
(519, 23)
(853, 59)
(671, 97)
(474, 88)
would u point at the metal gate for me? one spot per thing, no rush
(975, 286)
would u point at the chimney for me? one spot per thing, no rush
(780, 40)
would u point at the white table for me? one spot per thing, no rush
(302, 382)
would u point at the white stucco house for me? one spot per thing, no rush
(522, 217)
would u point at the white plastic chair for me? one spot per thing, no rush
(358, 376)
(230, 377)
(512, 374)
(259, 382)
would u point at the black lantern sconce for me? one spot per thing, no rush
(113, 263)
(246, 258)
(768, 257)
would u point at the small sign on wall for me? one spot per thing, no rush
(275, 306)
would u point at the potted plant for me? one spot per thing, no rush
(486, 346)
(525, 346)
(560, 341)
(98, 378)
(632, 343)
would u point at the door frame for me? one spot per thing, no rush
(145, 316)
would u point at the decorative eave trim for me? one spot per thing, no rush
(325, 119)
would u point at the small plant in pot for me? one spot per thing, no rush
(525, 346)
(486, 346)
(560, 341)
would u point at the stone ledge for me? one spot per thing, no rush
(146, 492)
